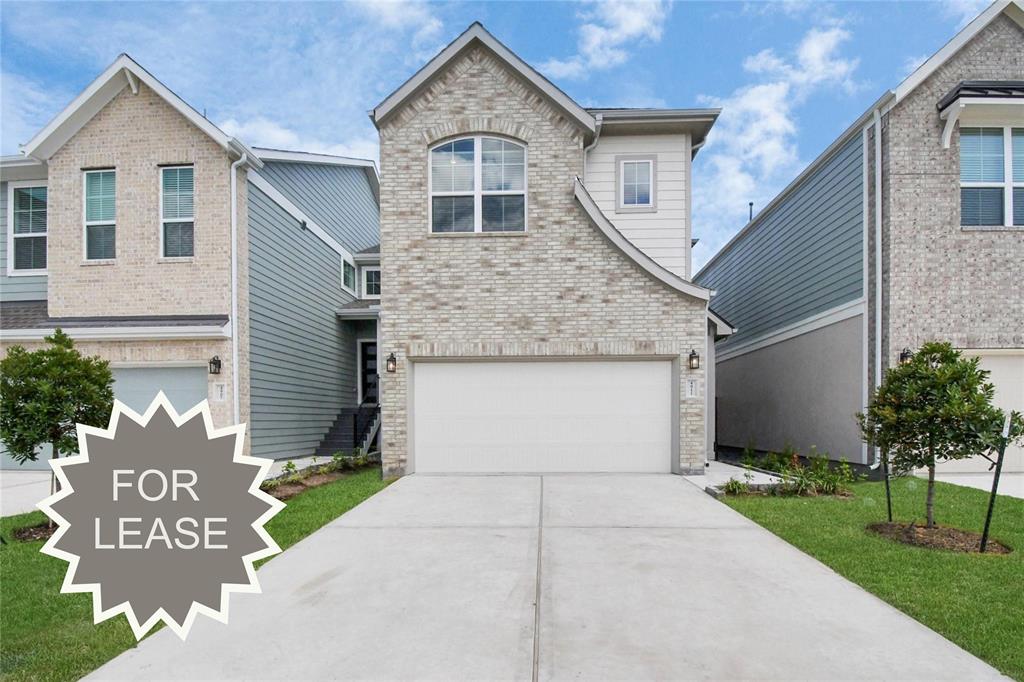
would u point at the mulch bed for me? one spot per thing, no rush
(940, 537)
(286, 491)
(33, 533)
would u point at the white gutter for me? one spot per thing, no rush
(123, 333)
(236, 403)
(877, 118)
(599, 119)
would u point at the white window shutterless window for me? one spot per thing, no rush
(348, 276)
(371, 282)
(992, 177)
(100, 215)
(636, 183)
(177, 212)
(26, 228)
(478, 184)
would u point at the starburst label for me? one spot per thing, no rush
(160, 516)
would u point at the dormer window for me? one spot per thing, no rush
(478, 184)
(635, 182)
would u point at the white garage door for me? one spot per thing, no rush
(543, 416)
(136, 387)
(1008, 377)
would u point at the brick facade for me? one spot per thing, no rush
(559, 290)
(941, 281)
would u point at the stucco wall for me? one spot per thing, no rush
(558, 290)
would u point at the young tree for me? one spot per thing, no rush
(44, 393)
(936, 407)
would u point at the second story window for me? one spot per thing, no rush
(371, 282)
(100, 215)
(635, 183)
(177, 212)
(27, 229)
(348, 276)
(991, 177)
(478, 184)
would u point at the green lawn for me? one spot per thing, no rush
(977, 601)
(45, 635)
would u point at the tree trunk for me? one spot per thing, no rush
(930, 504)
(54, 483)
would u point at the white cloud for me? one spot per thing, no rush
(964, 11)
(609, 29)
(25, 107)
(263, 132)
(410, 15)
(911, 64)
(752, 151)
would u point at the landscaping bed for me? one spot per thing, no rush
(973, 599)
(51, 636)
(939, 537)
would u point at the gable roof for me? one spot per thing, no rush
(476, 33)
(124, 72)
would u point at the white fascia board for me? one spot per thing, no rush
(627, 247)
(823, 319)
(367, 258)
(722, 328)
(18, 167)
(123, 333)
(855, 128)
(124, 72)
(477, 32)
(1013, 8)
(359, 313)
(294, 211)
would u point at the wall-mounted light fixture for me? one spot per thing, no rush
(391, 365)
(215, 364)
(906, 355)
(694, 360)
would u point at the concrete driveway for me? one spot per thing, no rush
(554, 577)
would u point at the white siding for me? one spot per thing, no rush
(664, 235)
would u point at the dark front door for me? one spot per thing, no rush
(368, 370)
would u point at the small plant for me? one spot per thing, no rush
(749, 456)
(818, 476)
(774, 461)
(734, 486)
(291, 472)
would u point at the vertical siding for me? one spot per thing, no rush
(15, 288)
(663, 235)
(338, 198)
(302, 357)
(802, 257)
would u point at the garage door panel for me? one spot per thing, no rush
(496, 417)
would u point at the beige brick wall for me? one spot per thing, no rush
(558, 291)
(944, 282)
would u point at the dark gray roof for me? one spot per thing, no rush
(33, 315)
(372, 249)
(982, 89)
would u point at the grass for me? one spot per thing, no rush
(974, 600)
(50, 636)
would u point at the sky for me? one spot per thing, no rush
(788, 75)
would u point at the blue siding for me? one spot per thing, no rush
(338, 198)
(15, 288)
(302, 358)
(801, 257)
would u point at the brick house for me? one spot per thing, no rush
(536, 308)
(195, 264)
(908, 228)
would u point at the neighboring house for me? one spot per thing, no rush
(908, 228)
(196, 265)
(536, 309)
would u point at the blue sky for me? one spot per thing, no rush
(790, 75)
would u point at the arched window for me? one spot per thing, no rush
(478, 184)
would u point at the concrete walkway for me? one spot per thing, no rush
(1010, 484)
(554, 577)
(21, 491)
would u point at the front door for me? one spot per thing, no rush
(368, 371)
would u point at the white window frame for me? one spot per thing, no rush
(21, 184)
(478, 192)
(620, 184)
(366, 269)
(1007, 185)
(160, 208)
(86, 224)
(355, 276)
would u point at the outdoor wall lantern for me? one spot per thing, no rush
(215, 364)
(694, 360)
(392, 364)
(906, 355)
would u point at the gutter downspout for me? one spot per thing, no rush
(234, 287)
(877, 116)
(597, 136)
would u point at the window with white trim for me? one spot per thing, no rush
(177, 212)
(27, 229)
(478, 184)
(991, 176)
(371, 282)
(100, 215)
(348, 276)
(636, 183)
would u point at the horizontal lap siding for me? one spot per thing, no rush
(302, 357)
(803, 257)
(15, 288)
(338, 198)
